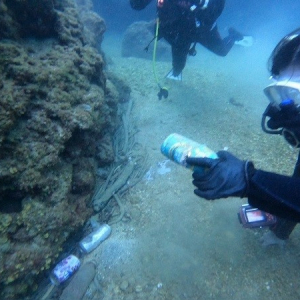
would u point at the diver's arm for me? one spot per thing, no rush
(276, 194)
(139, 4)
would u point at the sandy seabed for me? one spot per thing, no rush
(176, 245)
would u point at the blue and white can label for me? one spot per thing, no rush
(177, 148)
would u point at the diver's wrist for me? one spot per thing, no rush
(249, 171)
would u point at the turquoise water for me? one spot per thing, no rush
(56, 110)
(178, 246)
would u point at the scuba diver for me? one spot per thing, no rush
(184, 23)
(228, 176)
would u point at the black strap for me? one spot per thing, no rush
(147, 47)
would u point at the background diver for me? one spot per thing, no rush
(183, 23)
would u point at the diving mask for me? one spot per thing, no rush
(283, 90)
(282, 115)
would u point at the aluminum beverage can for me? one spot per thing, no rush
(65, 269)
(177, 148)
(95, 238)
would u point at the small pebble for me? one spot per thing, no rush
(138, 288)
(124, 285)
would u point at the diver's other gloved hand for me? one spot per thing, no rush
(139, 4)
(223, 177)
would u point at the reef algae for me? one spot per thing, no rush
(58, 113)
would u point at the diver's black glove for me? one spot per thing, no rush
(139, 4)
(222, 177)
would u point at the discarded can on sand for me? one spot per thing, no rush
(64, 269)
(94, 239)
(177, 148)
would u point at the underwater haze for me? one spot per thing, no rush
(273, 18)
(179, 246)
(266, 21)
(80, 140)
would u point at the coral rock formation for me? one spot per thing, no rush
(137, 36)
(58, 112)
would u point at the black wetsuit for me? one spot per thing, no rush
(181, 26)
(278, 195)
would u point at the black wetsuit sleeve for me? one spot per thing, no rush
(276, 194)
(139, 4)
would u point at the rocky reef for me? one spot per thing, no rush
(136, 38)
(58, 113)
